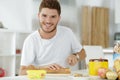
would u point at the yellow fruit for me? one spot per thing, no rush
(111, 75)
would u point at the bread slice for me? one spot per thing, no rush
(60, 71)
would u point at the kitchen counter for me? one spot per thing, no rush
(108, 50)
(25, 78)
(58, 77)
(108, 53)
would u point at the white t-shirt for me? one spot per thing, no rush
(40, 52)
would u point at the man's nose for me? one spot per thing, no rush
(48, 19)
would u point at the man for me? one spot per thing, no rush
(52, 46)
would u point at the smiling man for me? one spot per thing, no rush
(52, 46)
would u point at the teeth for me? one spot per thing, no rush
(48, 25)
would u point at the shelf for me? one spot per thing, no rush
(5, 30)
(18, 55)
(14, 31)
(7, 55)
(10, 41)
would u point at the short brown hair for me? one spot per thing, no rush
(52, 4)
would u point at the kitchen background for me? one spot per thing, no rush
(18, 14)
(19, 18)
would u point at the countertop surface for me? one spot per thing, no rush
(58, 77)
(108, 50)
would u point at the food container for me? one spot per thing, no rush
(36, 74)
(116, 51)
(95, 64)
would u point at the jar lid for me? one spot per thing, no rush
(101, 60)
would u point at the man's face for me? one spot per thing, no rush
(49, 19)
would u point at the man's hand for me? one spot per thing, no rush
(72, 60)
(23, 69)
(52, 66)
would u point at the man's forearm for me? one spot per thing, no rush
(23, 71)
(81, 54)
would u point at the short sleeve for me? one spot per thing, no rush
(76, 46)
(28, 54)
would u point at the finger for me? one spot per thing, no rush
(50, 67)
(57, 66)
(73, 61)
(70, 61)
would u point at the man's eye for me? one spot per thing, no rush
(53, 16)
(44, 15)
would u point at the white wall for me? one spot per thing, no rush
(16, 14)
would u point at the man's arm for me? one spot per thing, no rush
(53, 66)
(23, 70)
(81, 54)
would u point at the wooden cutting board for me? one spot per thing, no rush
(100, 26)
(95, 26)
(86, 25)
(60, 71)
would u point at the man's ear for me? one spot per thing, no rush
(59, 18)
(39, 15)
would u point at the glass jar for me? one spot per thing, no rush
(95, 64)
(116, 51)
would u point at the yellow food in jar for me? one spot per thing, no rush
(95, 64)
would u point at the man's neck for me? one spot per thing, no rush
(45, 35)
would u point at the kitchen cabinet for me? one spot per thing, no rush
(20, 37)
(7, 52)
(95, 25)
(9, 42)
(117, 11)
